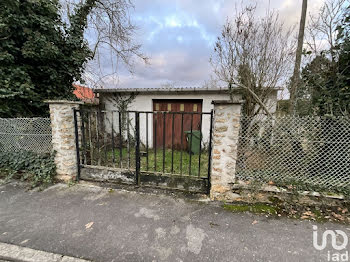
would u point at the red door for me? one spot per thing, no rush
(163, 131)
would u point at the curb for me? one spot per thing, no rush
(15, 253)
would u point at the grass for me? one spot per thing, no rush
(257, 208)
(155, 161)
(319, 213)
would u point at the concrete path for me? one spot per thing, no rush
(24, 254)
(98, 224)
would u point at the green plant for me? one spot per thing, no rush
(44, 48)
(40, 56)
(71, 182)
(40, 169)
(257, 208)
(327, 77)
(157, 157)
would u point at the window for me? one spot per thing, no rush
(169, 107)
(157, 107)
(182, 107)
(195, 108)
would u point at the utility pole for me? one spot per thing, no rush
(296, 74)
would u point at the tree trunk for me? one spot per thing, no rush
(296, 73)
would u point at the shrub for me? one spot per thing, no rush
(39, 169)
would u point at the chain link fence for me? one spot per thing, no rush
(310, 151)
(28, 134)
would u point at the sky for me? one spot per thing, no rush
(178, 36)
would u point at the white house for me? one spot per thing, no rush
(186, 100)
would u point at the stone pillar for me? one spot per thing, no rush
(224, 150)
(63, 137)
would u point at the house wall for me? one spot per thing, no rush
(271, 103)
(144, 102)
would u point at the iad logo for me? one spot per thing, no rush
(337, 245)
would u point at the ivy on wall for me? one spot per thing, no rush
(39, 169)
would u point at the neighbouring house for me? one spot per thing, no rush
(184, 99)
(84, 93)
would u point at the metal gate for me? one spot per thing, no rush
(122, 146)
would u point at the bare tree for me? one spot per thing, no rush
(321, 29)
(296, 74)
(253, 54)
(319, 45)
(109, 32)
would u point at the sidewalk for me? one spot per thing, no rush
(17, 253)
(98, 224)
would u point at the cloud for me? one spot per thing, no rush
(179, 36)
(290, 10)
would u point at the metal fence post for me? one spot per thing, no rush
(77, 142)
(209, 150)
(137, 153)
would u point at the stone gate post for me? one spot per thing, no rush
(224, 150)
(63, 137)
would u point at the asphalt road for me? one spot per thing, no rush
(98, 224)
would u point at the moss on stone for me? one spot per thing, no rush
(258, 208)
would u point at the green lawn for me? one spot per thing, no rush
(106, 159)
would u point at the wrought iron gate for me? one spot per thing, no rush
(128, 144)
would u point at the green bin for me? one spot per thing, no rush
(194, 148)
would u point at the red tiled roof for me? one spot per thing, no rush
(83, 92)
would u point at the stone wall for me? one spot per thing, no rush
(224, 150)
(106, 174)
(124, 176)
(63, 138)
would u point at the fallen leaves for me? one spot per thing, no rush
(212, 224)
(338, 216)
(309, 214)
(343, 210)
(89, 225)
(319, 213)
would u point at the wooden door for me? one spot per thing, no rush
(182, 121)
